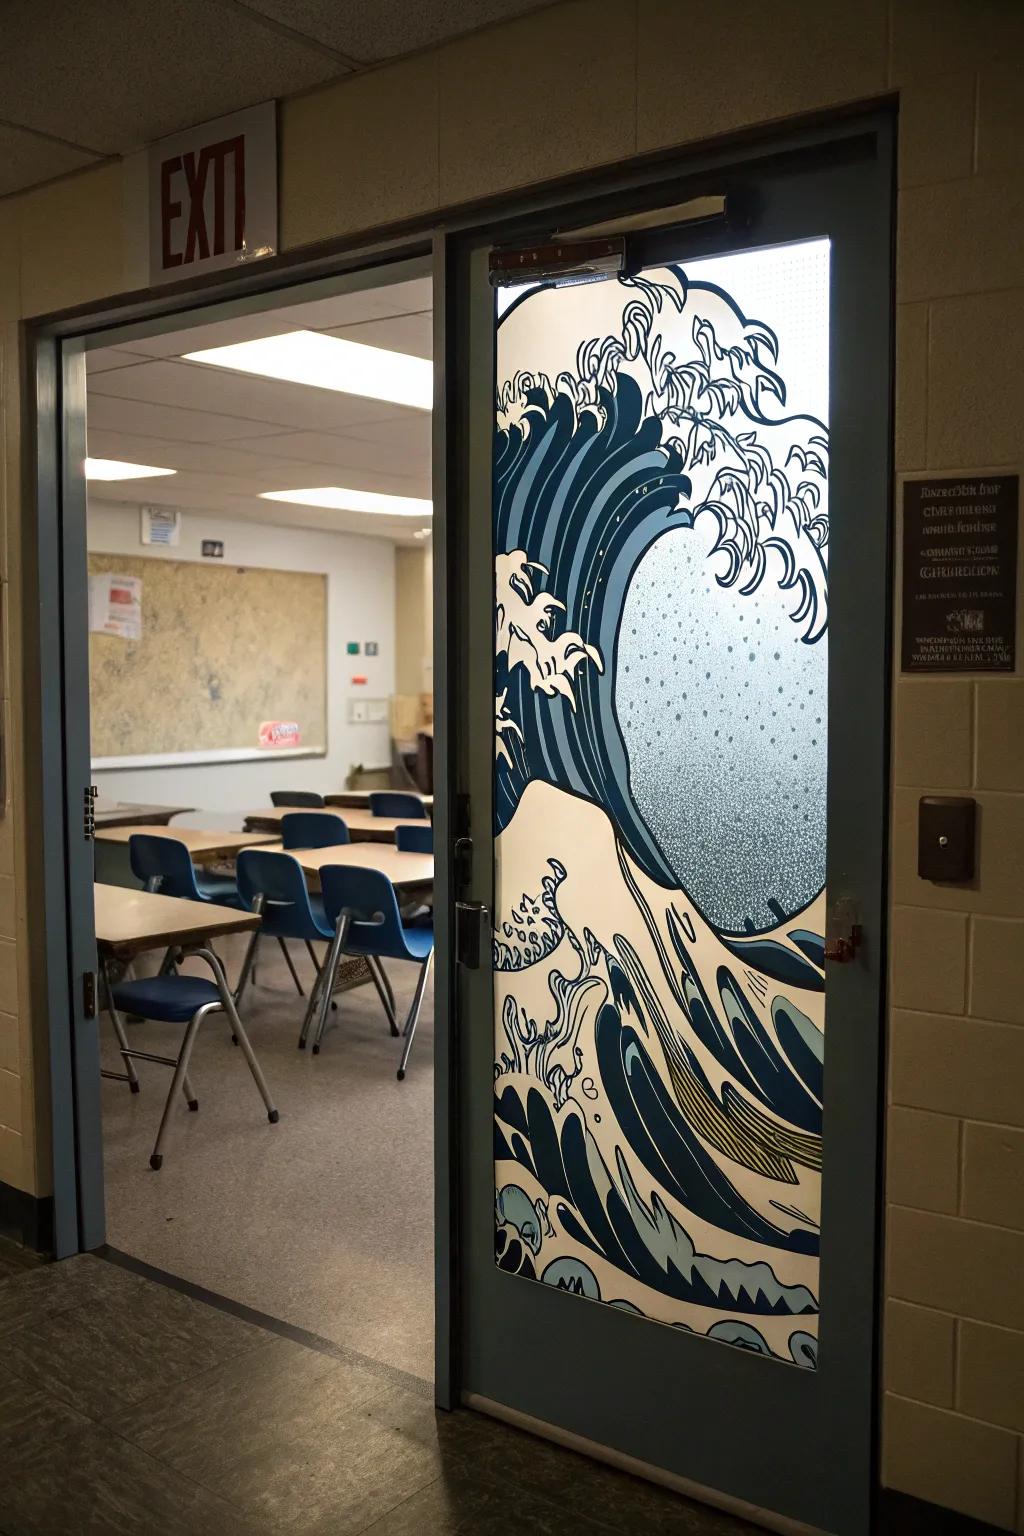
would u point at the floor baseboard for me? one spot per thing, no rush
(26, 1219)
(901, 1514)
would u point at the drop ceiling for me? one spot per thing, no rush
(83, 82)
(230, 436)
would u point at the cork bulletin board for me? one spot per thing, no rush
(224, 649)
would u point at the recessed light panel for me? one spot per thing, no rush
(342, 500)
(330, 362)
(116, 469)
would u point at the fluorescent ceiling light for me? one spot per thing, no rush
(115, 469)
(330, 362)
(337, 497)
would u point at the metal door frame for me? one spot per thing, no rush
(53, 396)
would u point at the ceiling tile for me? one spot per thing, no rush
(105, 358)
(113, 74)
(399, 448)
(413, 334)
(384, 29)
(220, 333)
(264, 401)
(109, 413)
(26, 159)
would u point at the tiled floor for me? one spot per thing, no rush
(128, 1407)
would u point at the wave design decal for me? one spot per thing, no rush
(660, 1002)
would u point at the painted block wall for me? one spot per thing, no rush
(580, 85)
(360, 606)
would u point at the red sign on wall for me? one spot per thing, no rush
(213, 195)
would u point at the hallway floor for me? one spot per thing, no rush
(127, 1407)
(324, 1220)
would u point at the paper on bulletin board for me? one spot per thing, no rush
(115, 605)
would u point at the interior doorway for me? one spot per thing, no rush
(258, 560)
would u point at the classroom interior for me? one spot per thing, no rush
(260, 663)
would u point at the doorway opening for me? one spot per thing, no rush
(260, 692)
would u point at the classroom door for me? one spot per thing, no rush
(675, 589)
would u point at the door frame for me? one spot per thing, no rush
(53, 396)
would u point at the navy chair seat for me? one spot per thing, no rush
(222, 890)
(418, 942)
(171, 999)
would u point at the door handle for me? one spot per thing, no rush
(843, 932)
(472, 934)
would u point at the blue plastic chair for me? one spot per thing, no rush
(305, 830)
(177, 999)
(392, 802)
(306, 797)
(418, 839)
(274, 885)
(164, 864)
(364, 909)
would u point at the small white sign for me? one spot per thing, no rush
(115, 605)
(213, 195)
(159, 525)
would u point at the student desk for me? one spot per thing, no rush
(363, 826)
(112, 864)
(128, 922)
(361, 797)
(205, 847)
(106, 814)
(406, 871)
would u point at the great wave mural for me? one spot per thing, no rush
(661, 540)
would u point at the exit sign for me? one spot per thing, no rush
(213, 195)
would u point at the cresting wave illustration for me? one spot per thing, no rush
(659, 975)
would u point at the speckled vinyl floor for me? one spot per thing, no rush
(324, 1220)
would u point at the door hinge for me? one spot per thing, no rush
(472, 934)
(89, 994)
(89, 812)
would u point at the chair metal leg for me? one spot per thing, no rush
(156, 1157)
(248, 970)
(384, 992)
(316, 991)
(117, 1023)
(316, 963)
(414, 1016)
(291, 966)
(328, 971)
(238, 1030)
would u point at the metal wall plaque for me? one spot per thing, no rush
(960, 574)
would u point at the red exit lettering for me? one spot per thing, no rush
(186, 204)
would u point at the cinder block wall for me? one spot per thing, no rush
(583, 84)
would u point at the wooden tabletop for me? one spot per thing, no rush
(111, 815)
(128, 922)
(402, 869)
(362, 797)
(363, 826)
(203, 846)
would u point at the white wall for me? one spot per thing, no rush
(360, 606)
